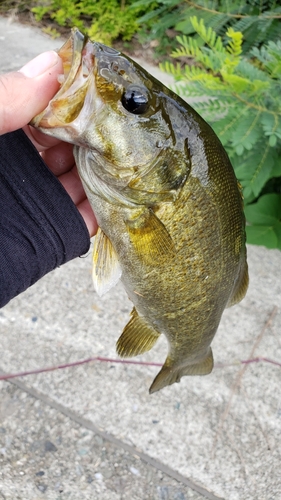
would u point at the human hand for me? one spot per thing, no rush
(23, 95)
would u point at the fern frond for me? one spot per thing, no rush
(245, 23)
(271, 124)
(208, 35)
(237, 83)
(247, 132)
(262, 172)
(258, 20)
(173, 69)
(212, 109)
(234, 47)
(246, 69)
(255, 169)
(206, 57)
(189, 47)
(193, 90)
(196, 74)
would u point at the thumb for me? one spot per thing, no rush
(25, 93)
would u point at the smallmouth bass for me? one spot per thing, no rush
(168, 205)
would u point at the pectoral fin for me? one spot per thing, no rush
(106, 267)
(149, 236)
(170, 374)
(137, 337)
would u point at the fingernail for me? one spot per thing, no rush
(40, 64)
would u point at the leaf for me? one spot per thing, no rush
(271, 124)
(185, 26)
(277, 230)
(262, 235)
(266, 211)
(263, 164)
(234, 47)
(272, 141)
(247, 131)
(276, 169)
(236, 82)
(239, 149)
(225, 126)
(207, 34)
(247, 192)
(265, 217)
(255, 169)
(248, 70)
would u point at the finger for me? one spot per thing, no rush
(59, 158)
(88, 215)
(73, 185)
(41, 141)
(25, 93)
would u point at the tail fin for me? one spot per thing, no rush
(170, 374)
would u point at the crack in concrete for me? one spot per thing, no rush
(112, 439)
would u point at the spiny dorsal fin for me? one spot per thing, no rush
(106, 267)
(149, 236)
(137, 337)
(170, 374)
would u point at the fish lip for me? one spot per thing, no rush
(78, 61)
(71, 53)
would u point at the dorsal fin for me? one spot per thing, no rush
(137, 337)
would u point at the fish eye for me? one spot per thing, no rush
(135, 99)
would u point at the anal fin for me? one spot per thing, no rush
(170, 374)
(137, 337)
(106, 267)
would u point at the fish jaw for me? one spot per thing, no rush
(88, 106)
(67, 115)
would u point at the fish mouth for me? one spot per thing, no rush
(92, 74)
(79, 69)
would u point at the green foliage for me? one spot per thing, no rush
(102, 20)
(158, 20)
(240, 97)
(159, 17)
(257, 20)
(264, 218)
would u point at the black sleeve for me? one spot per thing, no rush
(40, 227)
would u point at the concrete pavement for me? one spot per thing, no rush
(93, 431)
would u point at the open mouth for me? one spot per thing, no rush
(71, 54)
(78, 60)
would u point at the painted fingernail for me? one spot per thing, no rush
(40, 64)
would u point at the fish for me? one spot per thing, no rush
(167, 202)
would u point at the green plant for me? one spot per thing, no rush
(258, 20)
(265, 219)
(103, 20)
(240, 97)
